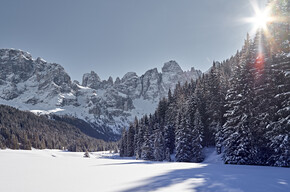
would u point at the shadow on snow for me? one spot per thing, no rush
(219, 178)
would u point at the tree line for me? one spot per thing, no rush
(24, 130)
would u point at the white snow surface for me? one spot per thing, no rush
(55, 170)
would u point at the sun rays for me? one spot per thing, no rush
(261, 18)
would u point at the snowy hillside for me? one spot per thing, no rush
(54, 170)
(45, 88)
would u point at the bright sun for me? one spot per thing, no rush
(261, 18)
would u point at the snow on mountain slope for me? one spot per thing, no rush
(44, 88)
(54, 170)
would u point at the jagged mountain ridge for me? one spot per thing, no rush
(107, 105)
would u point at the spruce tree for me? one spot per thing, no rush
(130, 141)
(147, 146)
(214, 104)
(238, 138)
(196, 143)
(170, 122)
(123, 144)
(139, 141)
(159, 154)
(167, 155)
(278, 131)
(183, 138)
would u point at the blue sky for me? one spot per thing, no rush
(113, 37)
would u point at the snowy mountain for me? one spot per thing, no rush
(105, 105)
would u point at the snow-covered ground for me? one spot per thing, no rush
(54, 170)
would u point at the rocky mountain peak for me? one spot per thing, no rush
(128, 76)
(91, 80)
(171, 67)
(192, 69)
(40, 60)
(14, 55)
(118, 80)
(110, 81)
(150, 72)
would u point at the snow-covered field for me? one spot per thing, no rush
(54, 170)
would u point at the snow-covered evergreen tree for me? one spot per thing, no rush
(167, 155)
(130, 141)
(278, 131)
(201, 107)
(140, 136)
(159, 154)
(170, 123)
(238, 138)
(183, 138)
(219, 138)
(196, 143)
(123, 144)
(214, 105)
(147, 147)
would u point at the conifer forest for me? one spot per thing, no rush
(241, 106)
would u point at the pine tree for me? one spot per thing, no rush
(183, 138)
(159, 147)
(123, 144)
(139, 142)
(147, 147)
(201, 98)
(170, 121)
(136, 131)
(14, 144)
(169, 137)
(167, 155)
(279, 135)
(278, 131)
(219, 138)
(161, 111)
(214, 104)
(26, 143)
(196, 143)
(238, 138)
(130, 141)
(263, 100)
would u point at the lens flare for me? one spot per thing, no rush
(261, 18)
(259, 63)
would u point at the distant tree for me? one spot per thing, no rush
(26, 143)
(14, 142)
(87, 155)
